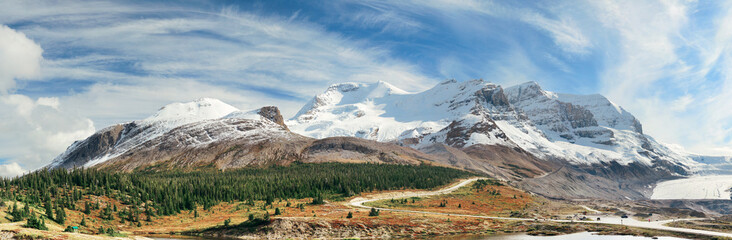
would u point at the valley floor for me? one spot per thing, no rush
(471, 206)
(597, 216)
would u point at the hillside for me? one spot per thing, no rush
(580, 146)
(208, 132)
(557, 145)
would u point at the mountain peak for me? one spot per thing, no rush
(527, 90)
(273, 114)
(188, 112)
(349, 93)
(374, 89)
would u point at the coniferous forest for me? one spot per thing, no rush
(170, 192)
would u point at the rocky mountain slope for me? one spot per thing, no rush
(208, 132)
(575, 143)
(558, 145)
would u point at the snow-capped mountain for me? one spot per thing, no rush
(116, 140)
(558, 145)
(208, 132)
(452, 112)
(590, 128)
(581, 129)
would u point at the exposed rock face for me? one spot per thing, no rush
(558, 145)
(578, 117)
(226, 139)
(272, 113)
(455, 133)
(98, 144)
(518, 132)
(133, 134)
(222, 143)
(495, 97)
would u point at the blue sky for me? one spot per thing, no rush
(105, 62)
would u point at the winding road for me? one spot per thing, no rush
(605, 219)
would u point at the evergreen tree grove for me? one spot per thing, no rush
(169, 192)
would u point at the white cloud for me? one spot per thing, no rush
(660, 59)
(682, 103)
(11, 170)
(565, 32)
(248, 60)
(33, 131)
(224, 49)
(19, 58)
(179, 55)
(653, 71)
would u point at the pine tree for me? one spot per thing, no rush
(269, 200)
(318, 200)
(26, 209)
(350, 215)
(60, 215)
(87, 208)
(49, 209)
(277, 211)
(16, 213)
(83, 222)
(35, 222)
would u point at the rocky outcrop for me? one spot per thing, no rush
(578, 117)
(495, 96)
(272, 113)
(457, 134)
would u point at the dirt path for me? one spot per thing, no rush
(605, 219)
(590, 209)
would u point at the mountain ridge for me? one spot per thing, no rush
(583, 129)
(208, 132)
(584, 146)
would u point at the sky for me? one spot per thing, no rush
(69, 68)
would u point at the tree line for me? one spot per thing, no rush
(172, 191)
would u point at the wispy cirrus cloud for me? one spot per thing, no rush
(225, 49)
(117, 62)
(107, 61)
